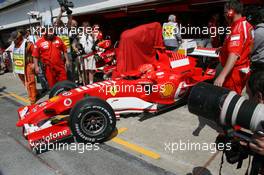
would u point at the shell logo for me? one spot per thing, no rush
(168, 90)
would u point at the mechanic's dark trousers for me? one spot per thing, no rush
(55, 74)
(28, 79)
(70, 68)
(41, 78)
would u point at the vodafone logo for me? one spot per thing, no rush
(67, 102)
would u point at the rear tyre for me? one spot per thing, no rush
(92, 120)
(61, 87)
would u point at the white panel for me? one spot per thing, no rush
(123, 103)
(204, 52)
(180, 63)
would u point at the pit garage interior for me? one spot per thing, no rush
(115, 19)
(189, 13)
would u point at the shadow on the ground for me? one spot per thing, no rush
(204, 122)
(163, 109)
(113, 135)
(200, 171)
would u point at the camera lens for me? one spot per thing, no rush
(245, 113)
(206, 100)
(225, 107)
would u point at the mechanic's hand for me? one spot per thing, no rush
(63, 9)
(5, 55)
(69, 12)
(218, 50)
(79, 52)
(37, 70)
(258, 146)
(219, 81)
(101, 49)
(32, 67)
(180, 42)
(67, 64)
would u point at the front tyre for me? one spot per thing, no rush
(92, 120)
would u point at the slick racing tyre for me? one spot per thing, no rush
(92, 120)
(61, 87)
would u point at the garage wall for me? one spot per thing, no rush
(17, 15)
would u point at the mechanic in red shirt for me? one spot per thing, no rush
(49, 49)
(235, 53)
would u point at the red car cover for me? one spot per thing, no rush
(136, 47)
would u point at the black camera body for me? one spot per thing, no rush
(80, 50)
(67, 5)
(237, 152)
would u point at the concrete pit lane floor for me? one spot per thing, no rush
(142, 147)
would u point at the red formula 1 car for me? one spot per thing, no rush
(89, 112)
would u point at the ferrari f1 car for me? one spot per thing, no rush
(88, 113)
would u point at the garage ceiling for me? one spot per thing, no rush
(6, 3)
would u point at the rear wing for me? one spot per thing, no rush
(207, 52)
(197, 47)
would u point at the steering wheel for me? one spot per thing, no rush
(148, 71)
(146, 68)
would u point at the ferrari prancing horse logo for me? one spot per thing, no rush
(113, 90)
